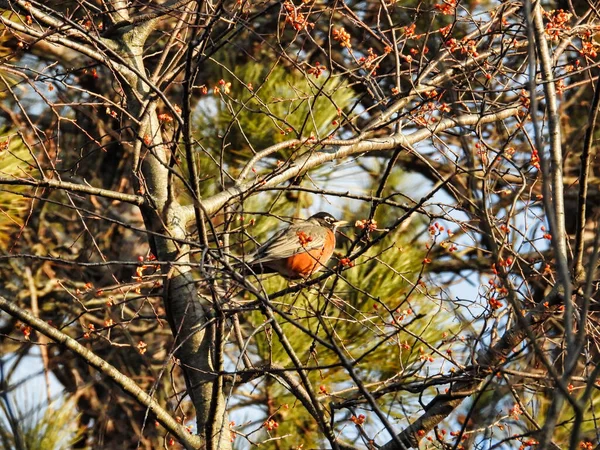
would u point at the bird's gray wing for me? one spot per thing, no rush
(288, 243)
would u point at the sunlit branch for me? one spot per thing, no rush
(127, 384)
(318, 158)
(74, 187)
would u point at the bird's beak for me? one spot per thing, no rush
(340, 223)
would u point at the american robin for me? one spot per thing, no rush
(300, 250)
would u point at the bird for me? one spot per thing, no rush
(299, 250)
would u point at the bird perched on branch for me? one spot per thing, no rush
(300, 250)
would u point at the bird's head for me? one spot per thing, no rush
(327, 220)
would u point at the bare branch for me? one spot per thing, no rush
(188, 440)
(312, 160)
(74, 187)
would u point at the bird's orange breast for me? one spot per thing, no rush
(303, 265)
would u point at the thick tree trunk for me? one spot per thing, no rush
(194, 337)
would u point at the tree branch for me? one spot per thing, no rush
(160, 11)
(316, 158)
(584, 173)
(555, 208)
(74, 187)
(443, 405)
(126, 383)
